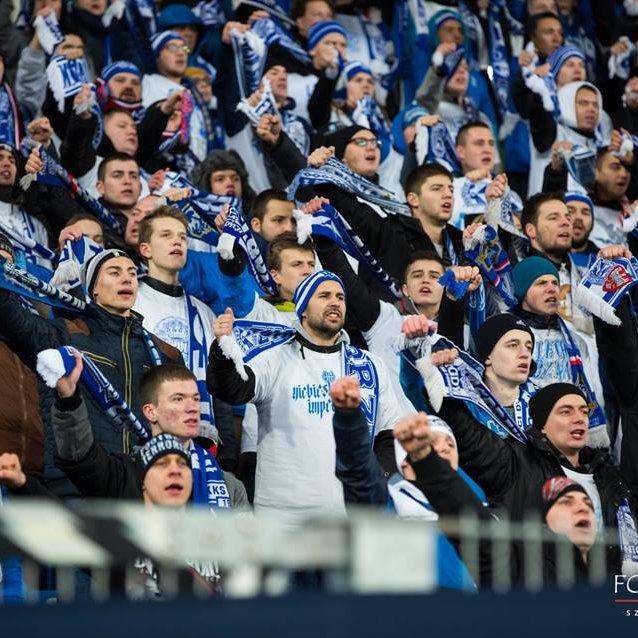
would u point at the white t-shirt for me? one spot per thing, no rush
(587, 481)
(296, 450)
(300, 88)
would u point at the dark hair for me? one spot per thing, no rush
(422, 255)
(533, 21)
(152, 380)
(420, 174)
(298, 7)
(533, 203)
(285, 241)
(261, 201)
(114, 110)
(113, 157)
(81, 217)
(161, 212)
(460, 136)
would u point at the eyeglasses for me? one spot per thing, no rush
(362, 142)
(174, 48)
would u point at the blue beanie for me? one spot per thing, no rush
(408, 116)
(352, 68)
(575, 196)
(557, 58)
(176, 15)
(320, 30)
(526, 272)
(306, 288)
(160, 40)
(121, 66)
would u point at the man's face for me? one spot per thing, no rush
(296, 265)
(478, 149)
(422, 283)
(226, 182)
(92, 230)
(612, 177)
(332, 41)
(316, 11)
(143, 207)
(126, 87)
(173, 59)
(565, 7)
(582, 222)
(363, 154)
(568, 424)
(166, 248)
(168, 482)
(511, 358)
(116, 286)
(94, 7)
(572, 515)
(361, 84)
(587, 109)
(457, 84)
(542, 296)
(435, 199)
(572, 71)
(189, 33)
(121, 130)
(325, 313)
(451, 31)
(552, 232)
(72, 47)
(444, 445)
(176, 410)
(277, 220)
(121, 185)
(548, 35)
(8, 168)
(278, 77)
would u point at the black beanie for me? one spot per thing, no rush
(155, 449)
(542, 403)
(493, 329)
(339, 138)
(556, 487)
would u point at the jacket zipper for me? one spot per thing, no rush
(126, 436)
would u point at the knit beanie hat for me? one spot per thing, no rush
(306, 288)
(121, 66)
(556, 487)
(543, 402)
(160, 40)
(527, 271)
(575, 196)
(91, 270)
(494, 328)
(557, 58)
(320, 30)
(155, 449)
(339, 138)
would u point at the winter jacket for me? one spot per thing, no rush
(95, 472)
(31, 80)
(115, 344)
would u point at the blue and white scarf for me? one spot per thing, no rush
(251, 338)
(434, 144)
(338, 174)
(272, 34)
(249, 52)
(604, 285)
(74, 255)
(266, 105)
(329, 223)
(463, 380)
(54, 175)
(198, 360)
(139, 16)
(484, 249)
(628, 537)
(580, 162)
(209, 486)
(211, 13)
(28, 245)
(476, 300)
(9, 117)
(236, 230)
(55, 363)
(544, 87)
(48, 31)
(66, 77)
(498, 56)
(369, 114)
(449, 63)
(272, 7)
(619, 65)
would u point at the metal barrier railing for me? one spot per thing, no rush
(365, 552)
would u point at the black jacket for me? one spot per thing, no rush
(115, 344)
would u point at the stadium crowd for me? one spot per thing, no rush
(290, 256)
